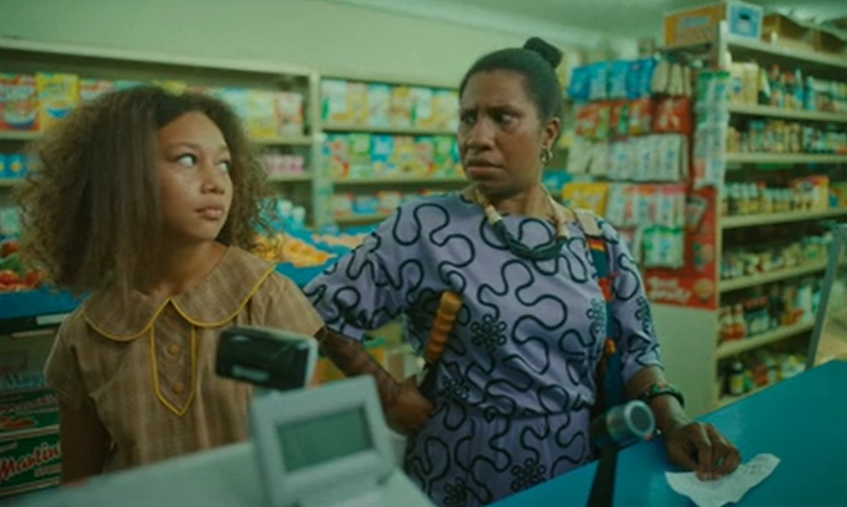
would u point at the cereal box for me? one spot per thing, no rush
(442, 156)
(20, 102)
(424, 161)
(404, 154)
(446, 109)
(342, 204)
(334, 107)
(379, 105)
(359, 150)
(57, 96)
(289, 113)
(15, 166)
(357, 103)
(401, 106)
(337, 154)
(382, 151)
(90, 89)
(261, 114)
(236, 98)
(30, 457)
(423, 113)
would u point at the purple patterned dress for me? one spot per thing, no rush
(515, 383)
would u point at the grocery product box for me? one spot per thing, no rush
(401, 106)
(289, 113)
(698, 24)
(379, 105)
(13, 166)
(261, 114)
(19, 104)
(423, 112)
(382, 152)
(334, 101)
(58, 94)
(357, 103)
(424, 161)
(30, 456)
(446, 106)
(404, 155)
(359, 150)
(336, 151)
(90, 89)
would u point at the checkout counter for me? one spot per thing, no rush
(330, 447)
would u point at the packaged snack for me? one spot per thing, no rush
(342, 204)
(20, 102)
(261, 114)
(604, 118)
(357, 103)
(289, 113)
(599, 77)
(90, 89)
(673, 114)
(365, 205)
(16, 166)
(442, 156)
(423, 113)
(359, 152)
(619, 119)
(579, 155)
(621, 161)
(425, 160)
(382, 151)
(599, 164)
(336, 153)
(236, 98)
(379, 105)
(618, 78)
(586, 195)
(334, 107)
(388, 201)
(645, 158)
(640, 117)
(401, 106)
(29, 439)
(446, 105)
(580, 85)
(403, 155)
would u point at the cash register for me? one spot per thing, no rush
(322, 447)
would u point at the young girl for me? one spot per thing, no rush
(145, 201)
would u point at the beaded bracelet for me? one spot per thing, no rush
(661, 389)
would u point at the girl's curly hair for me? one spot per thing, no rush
(91, 210)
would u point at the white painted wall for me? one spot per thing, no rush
(331, 37)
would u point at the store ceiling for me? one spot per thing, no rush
(637, 18)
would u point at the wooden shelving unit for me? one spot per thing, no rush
(701, 359)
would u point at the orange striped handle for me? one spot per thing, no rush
(448, 308)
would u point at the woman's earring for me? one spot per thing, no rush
(546, 156)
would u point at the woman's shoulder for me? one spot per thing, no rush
(425, 209)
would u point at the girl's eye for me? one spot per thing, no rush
(187, 160)
(225, 165)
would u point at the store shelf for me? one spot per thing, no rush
(775, 276)
(729, 399)
(735, 347)
(411, 131)
(741, 47)
(293, 178)
(360, 219)
(784, 158)
(284, 141)
(397, 181)
(776, 218)
(18, 136)
(790, 114)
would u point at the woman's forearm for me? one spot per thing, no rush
(667, 410)
(352, 359)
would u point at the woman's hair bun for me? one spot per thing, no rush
(548, 52)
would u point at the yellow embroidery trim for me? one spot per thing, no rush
(237, 310)
(147, 327)
(156, 385)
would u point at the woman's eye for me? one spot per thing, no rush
(467, 118)
(225, 165)
(504, 117)
(187, 160)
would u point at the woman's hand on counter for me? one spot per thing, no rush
(701, 448)
(410, 409)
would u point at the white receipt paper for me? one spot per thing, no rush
(727, 489)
